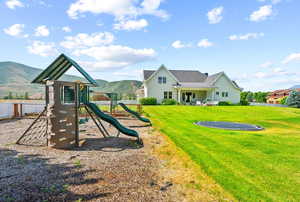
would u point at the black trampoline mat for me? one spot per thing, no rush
(229, 125)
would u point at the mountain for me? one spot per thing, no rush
(16, 78)
(294, 87)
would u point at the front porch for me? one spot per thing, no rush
(194, 96)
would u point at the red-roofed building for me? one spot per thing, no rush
(277, 95)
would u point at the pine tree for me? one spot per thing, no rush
(294, 99)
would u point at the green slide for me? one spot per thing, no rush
(134, 113)
(112, 121)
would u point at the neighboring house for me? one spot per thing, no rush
(277, 95)
(189, 86)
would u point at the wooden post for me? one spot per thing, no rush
(16, 110)
(139, 108)
(77, 105)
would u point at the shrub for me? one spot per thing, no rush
(283, 100)
(244, 103)
(148, 101)
(224, 103)
(169, 102)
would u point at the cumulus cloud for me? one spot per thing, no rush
(119, 8)
(179, 44)
(246, 36)
(215, 15)
(131, 24)
(14, 30)
(266, 64)
(276, 72)
(114, 56)
(42, 31)
(205, 43)
(42, 48)
(292, 57)
(12, 4)
(84, 40)
(66, 29)
(263, 13)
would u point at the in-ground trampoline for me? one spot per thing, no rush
(229, 125)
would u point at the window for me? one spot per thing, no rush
(217, 93)
(159, 79)
(168, 95)
(165, 95)
(162, 79)
(68, 95)
(224, 94)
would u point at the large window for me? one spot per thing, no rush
(68, 95)
(168, 95)
(165, 95)
(224, 94)
(162, 79)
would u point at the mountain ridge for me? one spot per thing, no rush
(16, 78)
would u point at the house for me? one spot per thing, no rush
(190, 86)
(275, 96)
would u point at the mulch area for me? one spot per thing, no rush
(103, 169)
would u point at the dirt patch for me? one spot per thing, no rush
(103, 169)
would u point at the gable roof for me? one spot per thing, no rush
(181, 75)
(58, 67)
(192, 78)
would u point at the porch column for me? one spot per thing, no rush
(179, 96)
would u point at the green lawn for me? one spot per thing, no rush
(252, 166)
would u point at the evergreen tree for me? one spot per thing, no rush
(294, 99)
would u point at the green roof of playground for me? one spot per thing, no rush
(58, 67)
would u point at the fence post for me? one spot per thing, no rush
(16, 110)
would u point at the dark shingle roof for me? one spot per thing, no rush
(181, 75)
(148, 73)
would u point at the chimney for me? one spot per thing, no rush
(206, 74)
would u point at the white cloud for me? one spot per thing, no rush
(66, 29)
(272, 1)
(178, 44)
(83, 40)
(114, 56)
(260, 75)
(246, 36)
(263, 13)
(276, 72)
(266, 64)
(204, 43)
(119, 8)
(14, 30)
(131, 25)
(42, 31)
(42, 48)
(12, 4)
(291, 57)
(215, 15)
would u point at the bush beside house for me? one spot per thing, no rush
(148, 101)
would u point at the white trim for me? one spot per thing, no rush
(161, 67)
(223, 74)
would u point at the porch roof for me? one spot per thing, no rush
(194, 85)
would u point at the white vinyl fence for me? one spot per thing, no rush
(7, 108)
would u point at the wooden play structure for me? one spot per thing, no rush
(58, 125)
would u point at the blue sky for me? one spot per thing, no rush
(256, 42)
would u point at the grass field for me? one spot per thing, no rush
(252, 166)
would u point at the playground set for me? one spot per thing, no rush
(57, 125)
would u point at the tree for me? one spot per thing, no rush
(294, 99)
(26, 96)
(10, 95)
(249, 97)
